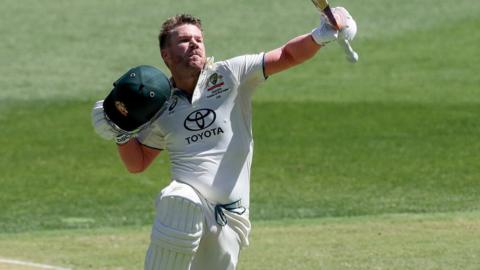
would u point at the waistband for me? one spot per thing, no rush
(234, 207)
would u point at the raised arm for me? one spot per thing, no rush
(304, 47)
(294, 52)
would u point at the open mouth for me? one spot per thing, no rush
(195, 57)
(196, 53)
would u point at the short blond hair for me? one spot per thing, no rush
(173, 22)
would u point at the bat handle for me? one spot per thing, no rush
(351, 55)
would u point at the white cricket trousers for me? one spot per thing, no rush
(186, 234)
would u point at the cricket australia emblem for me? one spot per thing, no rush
(121, 108)
(215, 85)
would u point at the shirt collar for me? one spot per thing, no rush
(209, 65)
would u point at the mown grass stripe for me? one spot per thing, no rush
(30, 264)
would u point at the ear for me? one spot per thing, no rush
(165, 56)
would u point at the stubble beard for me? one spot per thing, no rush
(193, 64)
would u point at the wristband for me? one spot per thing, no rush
(123, 138)
(322, 35)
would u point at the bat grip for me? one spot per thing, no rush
(351, 55)
(328, 12)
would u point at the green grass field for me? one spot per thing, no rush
(366, 166)
(426, 241)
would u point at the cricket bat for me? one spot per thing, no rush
(324, 7)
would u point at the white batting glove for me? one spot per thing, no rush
(325, 32)
(348, 26)
(105, 128)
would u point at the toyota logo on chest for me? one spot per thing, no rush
(199, 119)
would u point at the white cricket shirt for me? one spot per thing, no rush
(209, 139)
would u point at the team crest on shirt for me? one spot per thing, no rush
(215, 85)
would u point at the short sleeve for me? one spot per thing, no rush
(247, 69)
(152, 137)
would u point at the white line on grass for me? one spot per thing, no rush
(31, 264)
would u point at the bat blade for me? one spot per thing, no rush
(321, 4)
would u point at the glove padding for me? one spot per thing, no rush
(106, 128)
(348, 26)
(326, 32)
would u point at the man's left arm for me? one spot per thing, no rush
(301, 48)
(294, 52)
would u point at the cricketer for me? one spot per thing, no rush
(202, 116)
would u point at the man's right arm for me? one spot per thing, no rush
(135, 156)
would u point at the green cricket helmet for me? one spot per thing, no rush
(136, 97)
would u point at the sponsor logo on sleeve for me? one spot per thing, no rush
(173, 103)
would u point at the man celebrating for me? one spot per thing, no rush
(202, 216)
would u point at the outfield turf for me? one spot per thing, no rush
(393, 242)
(397, 133)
